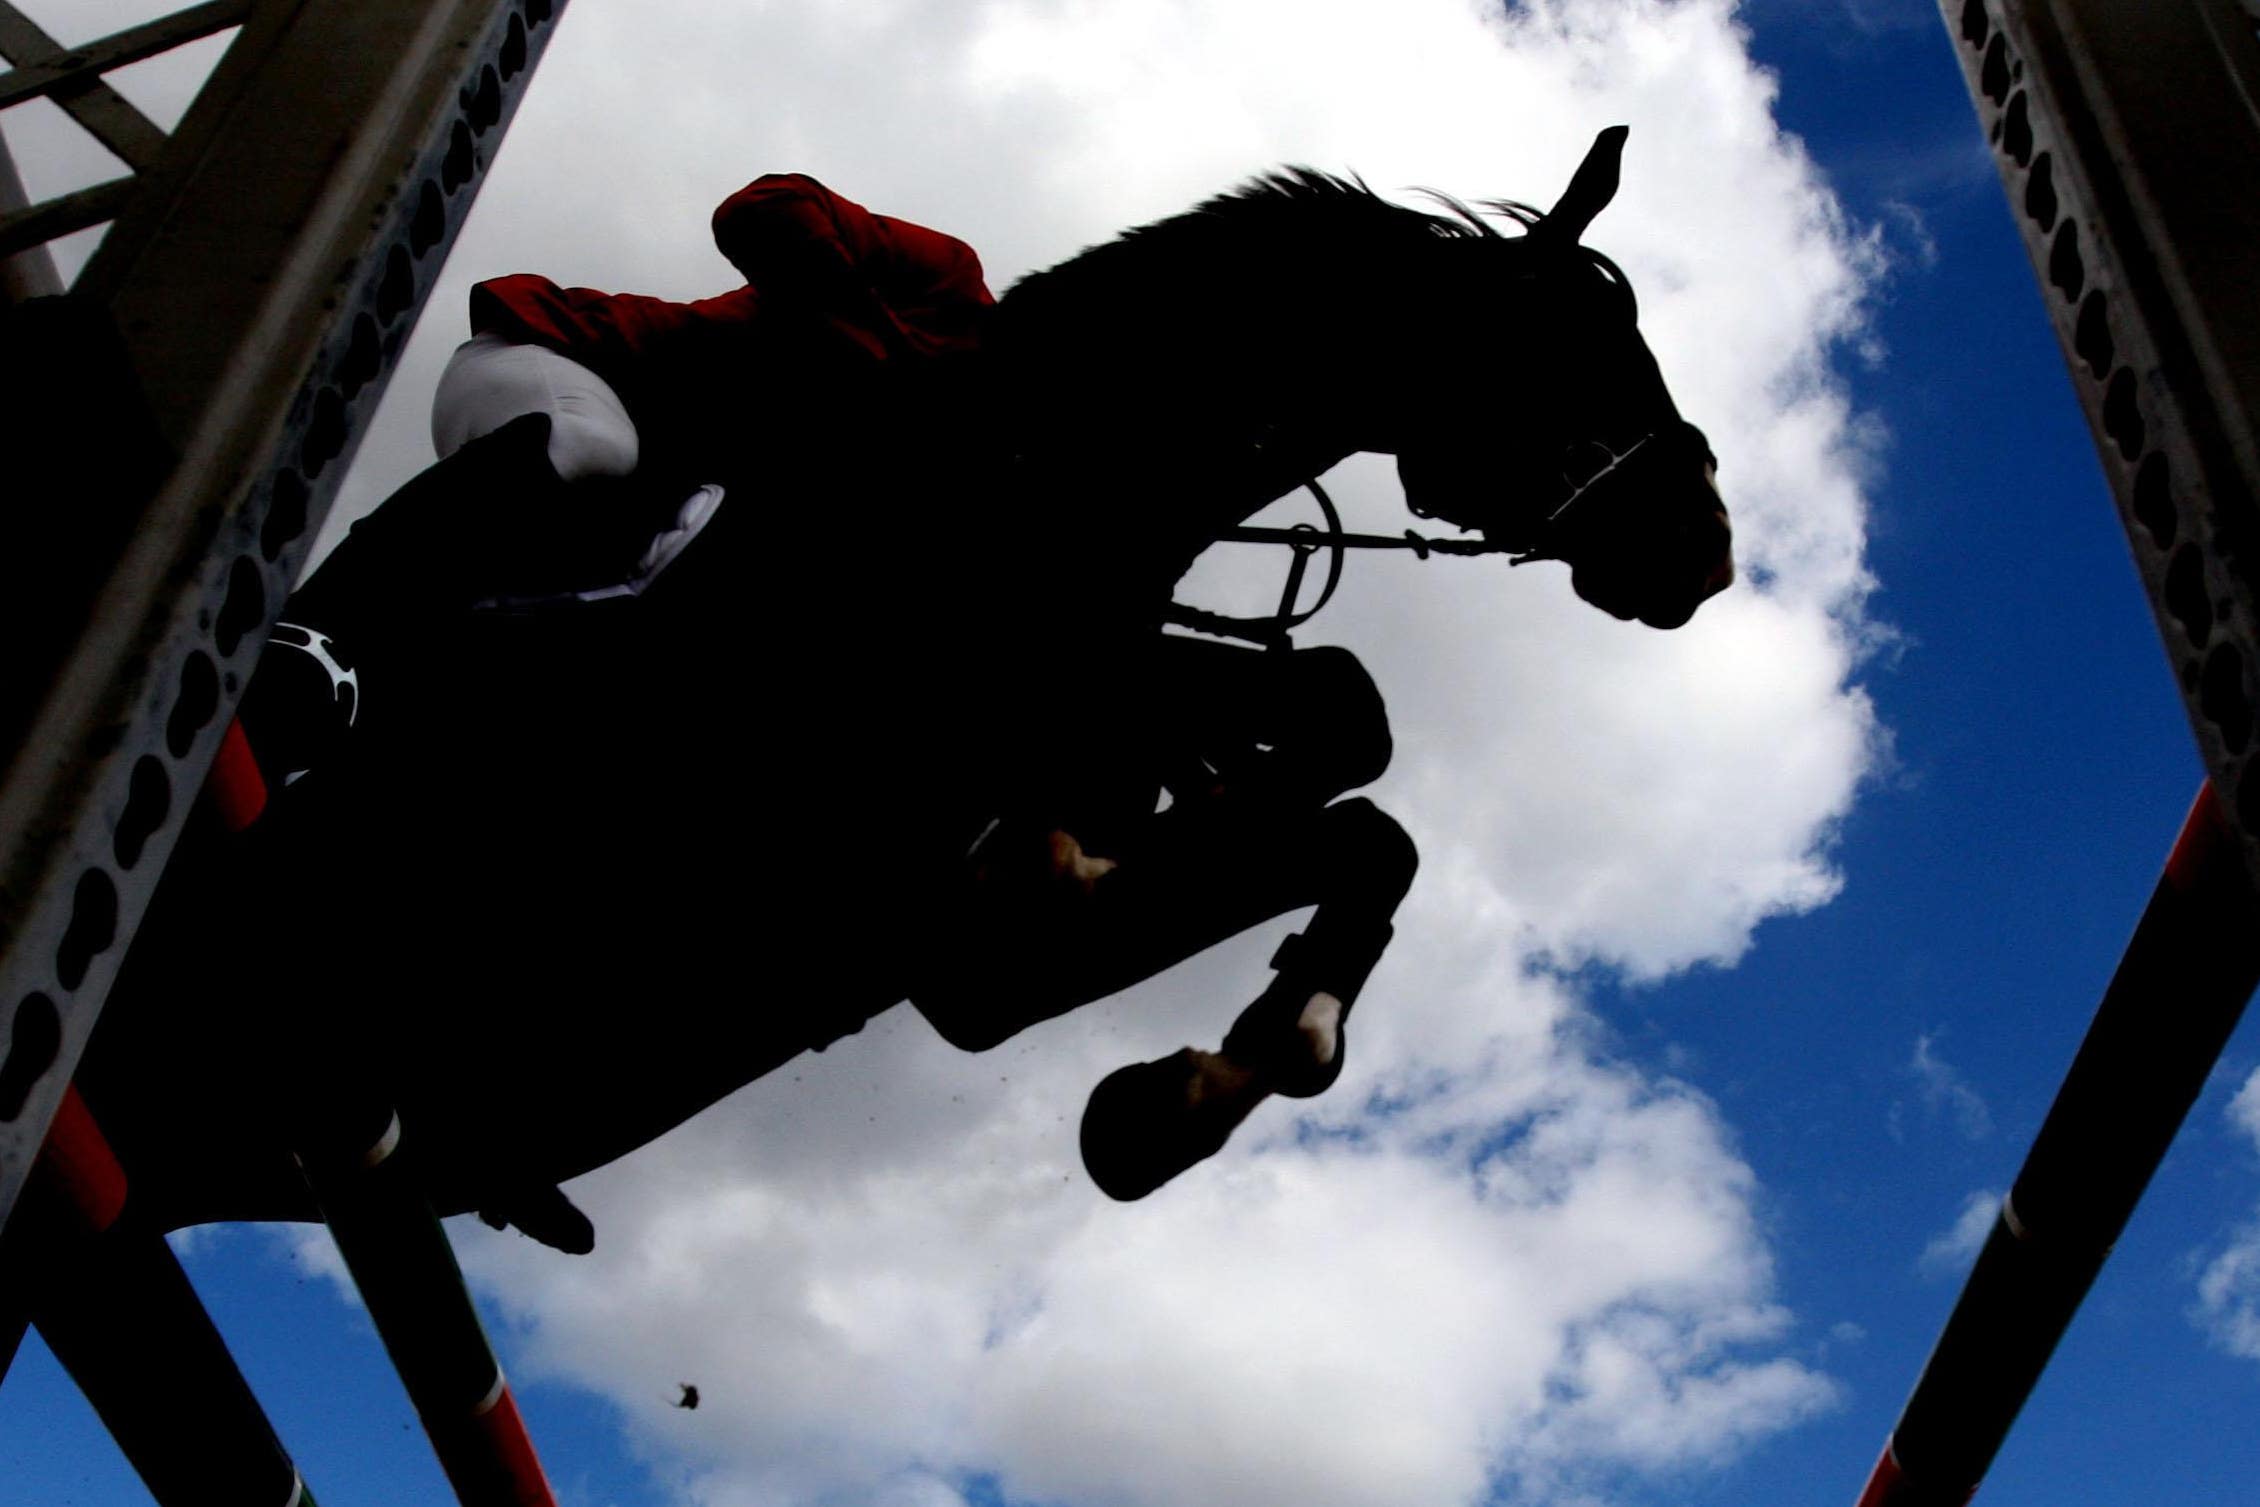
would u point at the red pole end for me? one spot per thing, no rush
(1889, 1487)
(2205, 836)
(78, 1165)
(1884, 1486)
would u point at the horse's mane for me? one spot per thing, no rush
(1268, 217)
(1279, 239)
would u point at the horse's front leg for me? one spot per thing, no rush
(1204, 872)
(1150, 1121)
(1059, 930)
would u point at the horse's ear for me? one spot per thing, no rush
(1590, 189)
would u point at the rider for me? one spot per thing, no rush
(627, 386)
(580, 432)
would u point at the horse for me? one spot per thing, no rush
(498, 910)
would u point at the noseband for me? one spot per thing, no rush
(1625, 475)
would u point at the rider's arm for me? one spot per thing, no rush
(602, 331)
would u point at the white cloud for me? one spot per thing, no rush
(1955, 1247)
(2228, 1294)
(2244, 1109)
(1542, 1267)
(1495, 1257)
(1946, 1094)
(2228, 1288)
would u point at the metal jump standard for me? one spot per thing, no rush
(196, 397)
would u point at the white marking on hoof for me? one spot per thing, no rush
(1321, 1026)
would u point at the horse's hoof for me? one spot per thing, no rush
(1147, 1122)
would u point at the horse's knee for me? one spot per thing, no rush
(1355, 733)
(1372, 852)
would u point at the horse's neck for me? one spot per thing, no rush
(1228, 399)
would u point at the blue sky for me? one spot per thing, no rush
(1875, 1061)
(2046, 766)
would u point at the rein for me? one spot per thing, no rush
(1305, 540)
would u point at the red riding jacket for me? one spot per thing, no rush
(823, 274)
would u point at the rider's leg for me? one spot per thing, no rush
(530, 494)
(529, 442)
(431, 549)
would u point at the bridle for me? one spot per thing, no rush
(1608, 489)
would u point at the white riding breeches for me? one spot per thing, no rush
(489, 381)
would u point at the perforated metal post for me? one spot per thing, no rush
(265, 266)
(2128, 138)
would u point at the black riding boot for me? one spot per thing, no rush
(492, 521)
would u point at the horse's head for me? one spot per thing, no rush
(1577, 452)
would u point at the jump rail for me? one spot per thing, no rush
(2178, 992)
(117, 1311)
(401, 1260)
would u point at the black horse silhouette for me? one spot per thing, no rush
(882, 729)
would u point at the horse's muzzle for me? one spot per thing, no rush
(1659, 569)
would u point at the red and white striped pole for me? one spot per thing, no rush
(2177, 994)
(392, 1242)
(400, 1258)
(112, 1303)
